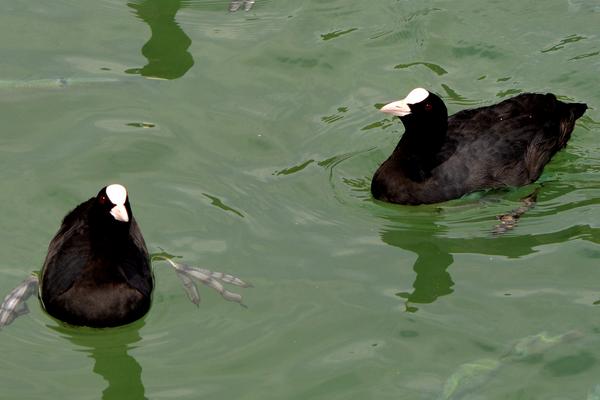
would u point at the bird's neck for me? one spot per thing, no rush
(423, 137)
(112, 236)
(418, 149)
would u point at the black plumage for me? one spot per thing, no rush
(97, 271)
(441, 158)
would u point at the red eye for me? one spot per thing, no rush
(428, 107)
(102, 199)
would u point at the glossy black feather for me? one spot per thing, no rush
(507, 144)
(97, 271)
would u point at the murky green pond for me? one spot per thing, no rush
(247, 141)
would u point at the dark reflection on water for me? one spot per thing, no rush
(433, 260)
(108, 348)
(435, 252)
(432, 279)
(167, 50)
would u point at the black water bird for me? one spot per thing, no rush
(441, 158)
(97, 271)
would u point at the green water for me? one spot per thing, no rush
(251, 153)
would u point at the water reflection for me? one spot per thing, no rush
(109, 349)
(167, 50)
(427, 239)
(433, 259)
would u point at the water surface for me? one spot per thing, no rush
(247, 142)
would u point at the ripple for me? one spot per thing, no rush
(585, 6)
(336, 34)
(438, 70)
(124, 126)
(584, 56)
(294, 169)
(346, 175)
(335, 117)
(570, 365)
(508, 92)
(479, 50)
(454, 97)
(566, 41)
(215, 201)
(382, 124)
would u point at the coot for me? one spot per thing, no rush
(97, 272)
(441, 158)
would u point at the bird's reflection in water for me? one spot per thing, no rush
(424, 235)
(109, 348)
(432, 279)
(167, 49)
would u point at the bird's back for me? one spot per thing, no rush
(507, 144)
